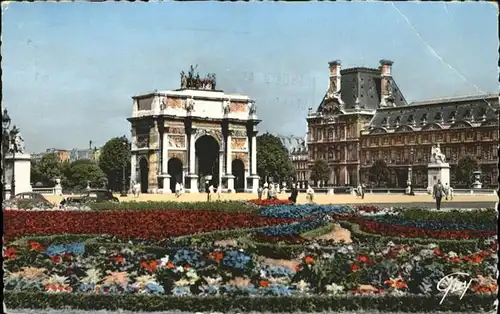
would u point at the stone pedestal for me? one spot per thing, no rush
(193, 179)
(19, 165)
(58, 188)
(166, 183)
(435, 172)
(228, 183)
(477, 183)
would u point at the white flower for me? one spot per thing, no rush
(127, 251)
(417, 258)
(93, 276)
(452, 254)
(302, 285)
(263, 274)
(55, 280)
(192, 276)
(142, 281)
(391, 244)
(213, 281)
(426, 253)
(432, 246)
(182, 283)
(278, 280)
(334, 288)
(179, 269)
(102, 250)
(164, 261)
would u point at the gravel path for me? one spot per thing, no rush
(26, 311)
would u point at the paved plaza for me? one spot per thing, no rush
(460, 201)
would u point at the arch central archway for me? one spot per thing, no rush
(175, 172)
(144, 174)
(207, 160)
(238, 169)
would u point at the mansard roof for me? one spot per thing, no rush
(293, 144)
(463, 109)
(363, 85)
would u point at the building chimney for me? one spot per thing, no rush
(334, 77)
(386, 86)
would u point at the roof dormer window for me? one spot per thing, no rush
(439, 116)
(397, 122)
(452, 117)
(423, 120)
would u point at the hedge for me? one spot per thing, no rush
(226, 206)
(472, 303)
(475, 217)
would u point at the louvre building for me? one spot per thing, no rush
(364, 117)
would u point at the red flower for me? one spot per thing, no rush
(149, 265)
(269, 202)
(55, 259)
(10, 253)
(216, 256)
(437, 252)
(118, 259)
(170, 265)
(308, 260)
(187, 267)
(298, 268)
(363, 258)
(35, 246)
(264, 283)
(355, 267)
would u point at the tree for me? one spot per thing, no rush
(82, 171)
(465, 167)
(115, 154)
(48, 169)
(35, 174)
(272, 158)
(320, 171)
(378, 172)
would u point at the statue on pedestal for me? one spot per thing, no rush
(226, 106)
(183, 80)
(18, 144)
(252, 107)
(436, 156)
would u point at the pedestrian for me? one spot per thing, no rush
(437, 193)
(359, 190)
(259, 192)
(265, 191)
(363, 189)
(451, 193)
(210, 191)
(177, 189)
(310, 193)
(219, 188)
(294, 193)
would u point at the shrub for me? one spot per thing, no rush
(269, 202)
(226, 206)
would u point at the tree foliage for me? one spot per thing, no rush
(465, 167)
(46, 170)
(378, 172)
(320, 171)
(272, 158)
(115, 154)
(82, 171)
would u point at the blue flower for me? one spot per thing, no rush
(86, 287)
(236, 259)
(190, 257)
(180, 291)
(70, 248)
(154, 288)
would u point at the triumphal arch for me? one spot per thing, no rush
(194, 135)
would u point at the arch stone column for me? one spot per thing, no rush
(165, 176)
(192, 176)
(228, 178)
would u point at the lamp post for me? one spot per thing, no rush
(5, 145)
(410, 172)
(12, 136)
(124, 191)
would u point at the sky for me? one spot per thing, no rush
(70, 69)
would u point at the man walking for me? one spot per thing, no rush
(437, 193)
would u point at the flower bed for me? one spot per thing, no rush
(147, 224)
(269, 202)
(305, 211)
(429, 224)
(394, 273)
(420, 232)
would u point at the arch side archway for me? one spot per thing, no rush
(238, 171)
(207, 151)
(175, 172)
(144, 174)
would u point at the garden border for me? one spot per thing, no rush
(474, 303)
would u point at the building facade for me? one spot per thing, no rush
(193, 135)
(297, 151)
(364, 117)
